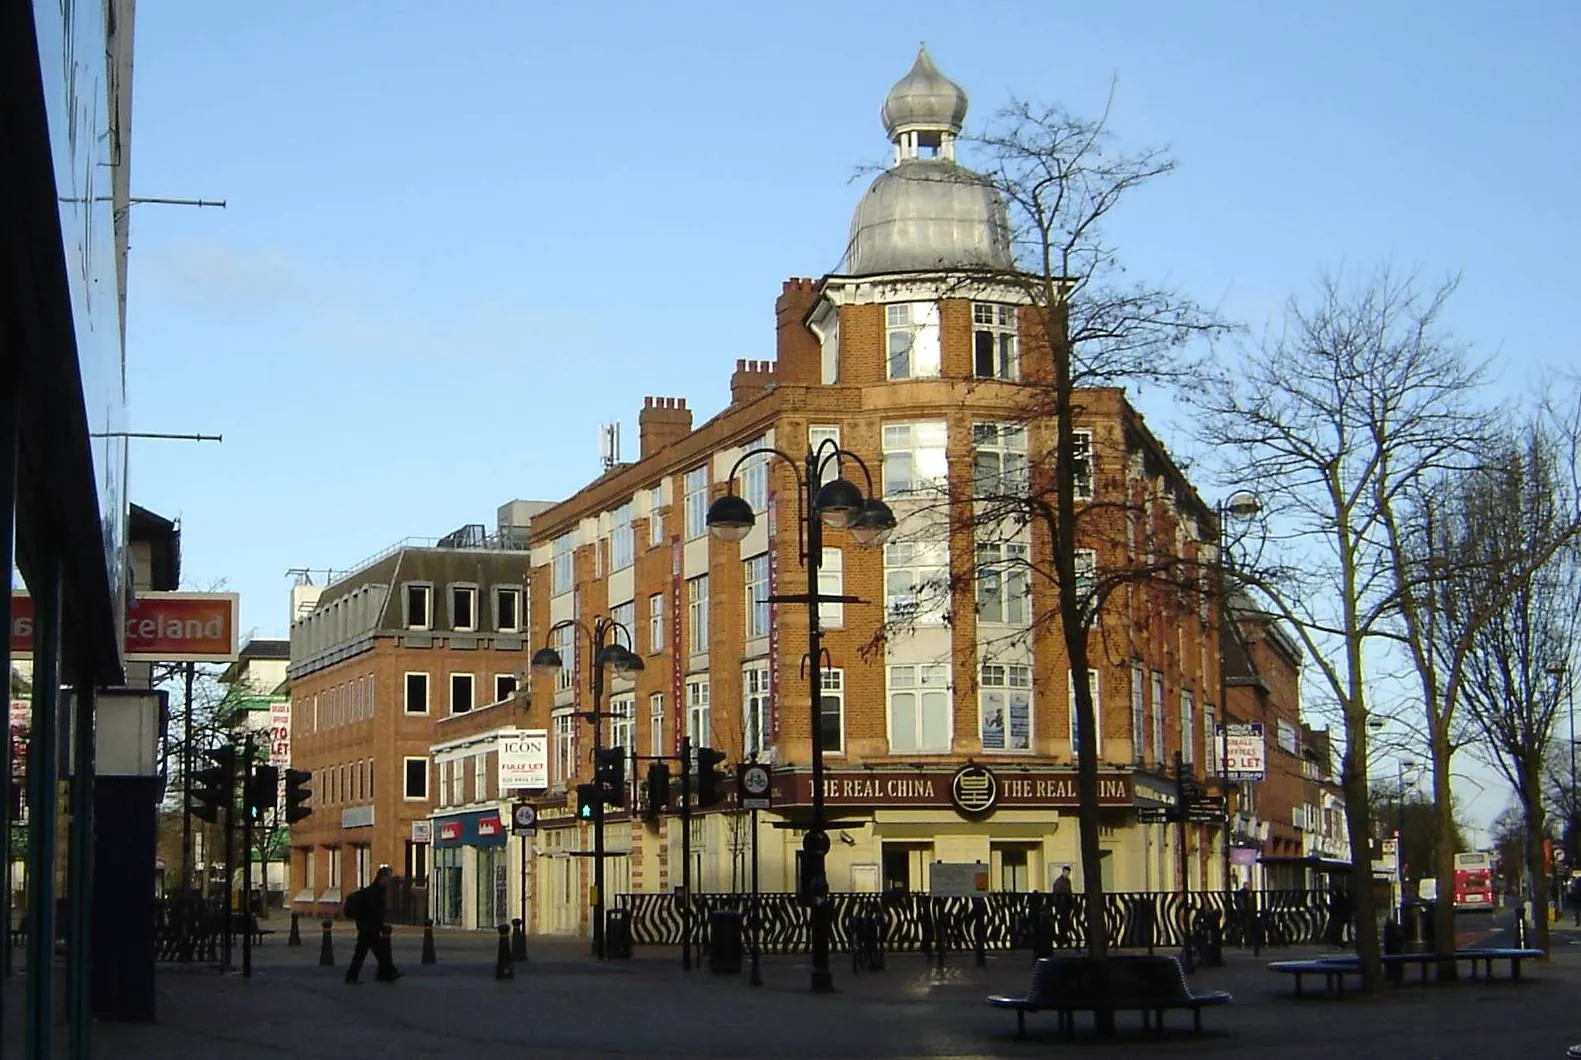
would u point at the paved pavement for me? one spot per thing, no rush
(562, 1004)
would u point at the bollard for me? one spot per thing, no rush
(326, 949)
(980, 929)
(1520, 926)
(295, 938)
(428, 942)
(502, 963)
(518, 940)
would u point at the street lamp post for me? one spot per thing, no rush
(622, 661)
(1401, 765)
(1241, 505)
(839, 504)
(1561, 675)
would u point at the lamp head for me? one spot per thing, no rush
(873, 524)
(730, 518)
(547, 661)
(837, 503)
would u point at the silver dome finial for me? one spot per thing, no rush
(924, 100)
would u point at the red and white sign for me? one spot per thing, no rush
(160, 627)
(423, 831)
(449, 831)
(280, 734)
(490, 826)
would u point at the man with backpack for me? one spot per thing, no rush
(366, 906)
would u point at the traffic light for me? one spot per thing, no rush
(658, 787)
(215, 786)
(710, 781)
(263, 788)
(296, 794)
(609, 773)
(589, 802)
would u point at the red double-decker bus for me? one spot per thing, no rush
(1474, 881)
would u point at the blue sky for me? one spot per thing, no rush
(460, 236)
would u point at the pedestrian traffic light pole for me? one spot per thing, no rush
(607, 652)
(841, 505)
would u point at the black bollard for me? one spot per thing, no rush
(1520, 926)
(980, 909)
(295, 938)
(428, 943)
(502, 963)
(326, 949)
(518, 940)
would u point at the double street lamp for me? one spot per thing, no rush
(839, 504)
(1242, 506)
(608, 654)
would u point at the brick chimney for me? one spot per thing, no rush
(662, 422)
(797, 350)
(751, 379)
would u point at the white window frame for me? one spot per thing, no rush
(480, 777)
(998, 683)
(444, 784)
(406, 692)
(917, 580)
(1156, 705)
(656, 723)
(1097, 710)
(1188, 727)
(655, 516)
(927, 686)
(999, 460)
(696, 495)
(1086, 564)
(565, 647)
(1004, 591)
(562, 728)
(1210, 740)
(916, 463)
(1000, 324)
(427, 594)
(656, 630)
(699, 711)
(697, 614)
(469, 593)
(623, 721)
(562, 570)
(911, 340)
(755, 572)
(514, 595)
(833, 681)
(1138, 715)
(502, 693)
(472, 692)
(622, 537)
(624, 615)
(1082, 462)
(831, 582)
(756, 722)
(755, 476)
(406, 778)
(458, 782)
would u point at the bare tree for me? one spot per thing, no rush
(1359, 400)
(1492, 533)
(1085, 326)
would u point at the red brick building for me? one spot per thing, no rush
(936, 668)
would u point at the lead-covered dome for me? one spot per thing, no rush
(927, 212)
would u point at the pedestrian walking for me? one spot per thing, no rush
(366, 906)
(1064, 893)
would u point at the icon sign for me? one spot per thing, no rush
(753, 780)
(974, 790)
(524, 819)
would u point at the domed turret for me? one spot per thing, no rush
(927, 212)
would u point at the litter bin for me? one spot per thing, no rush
(724, 942)
(617, 934)
(1137, 932)
(1419, 927)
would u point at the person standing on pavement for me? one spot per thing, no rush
(1064, 905)
(366, 907)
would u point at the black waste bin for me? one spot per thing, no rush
(1137, 932)
(724, 942)
(617, 934)
(1418, 927)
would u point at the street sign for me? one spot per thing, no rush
(524, 819)
(964, 879)
(1152, 814)
(1210, 804)
(1202, 815)
(752, 781)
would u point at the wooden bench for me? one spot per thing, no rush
(1332, 969)
(1151, 985)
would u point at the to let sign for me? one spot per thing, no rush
(1247, 751)
(160, 627)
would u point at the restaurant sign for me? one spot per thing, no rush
(914, 789)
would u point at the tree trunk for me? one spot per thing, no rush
(1444, 858)
(1539, 877)
(1353, 780)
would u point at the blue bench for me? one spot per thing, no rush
(1332, 969)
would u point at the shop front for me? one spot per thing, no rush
(471, 880)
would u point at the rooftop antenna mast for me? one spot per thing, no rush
(609, 444)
